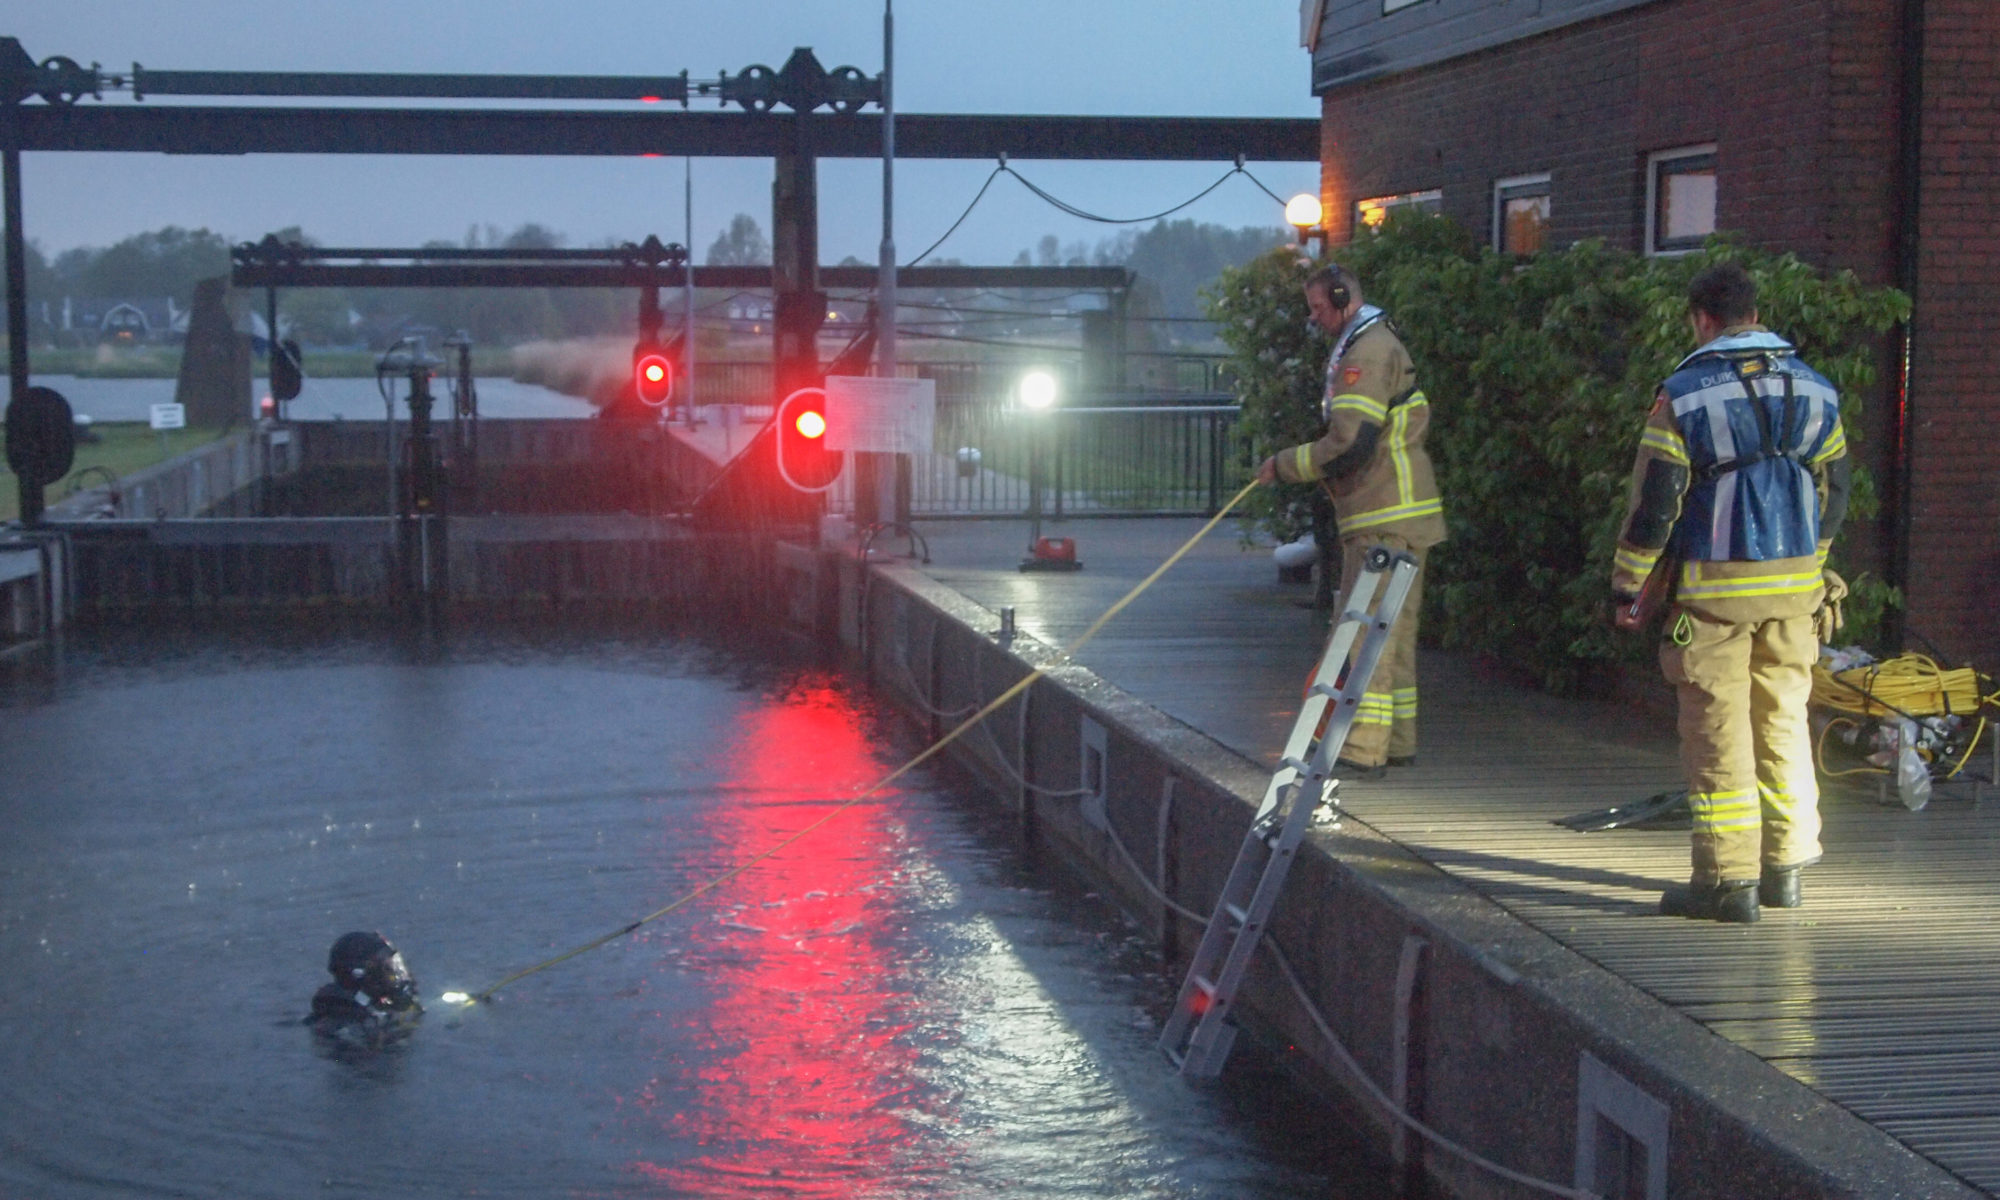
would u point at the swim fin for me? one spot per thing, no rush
(1661, 810)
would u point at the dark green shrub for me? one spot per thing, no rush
(1540, 372)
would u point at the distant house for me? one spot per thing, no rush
(122, 322)
(1860, 134)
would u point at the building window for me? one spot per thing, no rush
(1389, 6)
(1521, 214)
(1375, 210)
(1680, 199)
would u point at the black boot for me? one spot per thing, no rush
(1733, 901)
(1779, 887)
(1344, 769)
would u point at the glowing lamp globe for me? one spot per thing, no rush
(1302, 211)
(1038, 390)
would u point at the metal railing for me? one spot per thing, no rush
(1164, 451)
(1130, 457)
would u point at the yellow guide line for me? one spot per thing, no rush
(992, 706)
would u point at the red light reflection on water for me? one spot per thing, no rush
(800, 1071)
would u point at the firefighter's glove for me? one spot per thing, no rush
(1828, 620)
(1624, 613)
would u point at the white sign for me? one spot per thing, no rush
(170, 416)
(881, 416)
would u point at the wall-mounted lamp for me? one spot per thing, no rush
(1303, 213)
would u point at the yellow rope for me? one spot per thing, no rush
(992, 707)
(1911, 683)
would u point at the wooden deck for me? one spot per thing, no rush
(1882, 993)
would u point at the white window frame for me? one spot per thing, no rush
(1430, 199)
(1654, 162)
(1520, 186)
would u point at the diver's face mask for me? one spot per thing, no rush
(387, 982)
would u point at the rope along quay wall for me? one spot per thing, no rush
(1477, 1049)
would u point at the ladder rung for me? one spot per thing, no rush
(1324, 689)
(1207, 988)
(1237, 912)
(1302, 767)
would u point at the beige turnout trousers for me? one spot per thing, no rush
(1745, 742)
(1385, 722)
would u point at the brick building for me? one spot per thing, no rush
(1860, 134)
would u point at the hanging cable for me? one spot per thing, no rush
(961, 217)
(929, 752)
(1065, 206)
(1084, 214)
(1260, 184)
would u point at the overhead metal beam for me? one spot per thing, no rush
(410, 86)
(619, 275)
(195, 129)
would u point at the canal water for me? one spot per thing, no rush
(336, 399)
(899, 1005)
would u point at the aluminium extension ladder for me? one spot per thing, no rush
(1198, 1035)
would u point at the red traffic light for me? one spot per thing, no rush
(652, 376)
(803, 459)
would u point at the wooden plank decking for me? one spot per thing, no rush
(1882, 993)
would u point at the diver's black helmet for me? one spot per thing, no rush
(366, 962)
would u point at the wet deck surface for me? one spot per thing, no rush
(1878, 993)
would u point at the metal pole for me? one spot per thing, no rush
(1034, 482)
(687, 294)
(891, 490)
(17, 271)
(886, 317)
(270, 352)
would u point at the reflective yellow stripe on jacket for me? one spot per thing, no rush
(1697, 584)
(1397, 434)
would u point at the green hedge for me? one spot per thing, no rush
(1540, 372)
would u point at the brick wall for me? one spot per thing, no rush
(1801, 99)
(1954, 531)
(1587, 103)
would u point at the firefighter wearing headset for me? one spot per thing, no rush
(1371, 460)
(1740, 484)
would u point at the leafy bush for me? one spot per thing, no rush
(1540, 372)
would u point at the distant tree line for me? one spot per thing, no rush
(1172, 259)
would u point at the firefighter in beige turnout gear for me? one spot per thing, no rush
(1372, 462)
(1740, 483)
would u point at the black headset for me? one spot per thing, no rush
(1336, 291)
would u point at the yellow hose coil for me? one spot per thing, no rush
(1912, 683)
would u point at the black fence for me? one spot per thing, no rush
(1109, 455)
(1171, 449)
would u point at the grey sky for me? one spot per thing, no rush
(1100, 57)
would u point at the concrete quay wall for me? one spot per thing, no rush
(1489, 1032)
(544, 514)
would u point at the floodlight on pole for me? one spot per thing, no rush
(1038, 390)
(1038, 395)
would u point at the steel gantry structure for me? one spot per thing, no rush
(42, 109)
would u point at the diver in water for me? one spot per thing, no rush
(372, 994)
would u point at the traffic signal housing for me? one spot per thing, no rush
(287, 375)
(652, 375)
(804, 461)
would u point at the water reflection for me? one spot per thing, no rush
(806, 1074)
